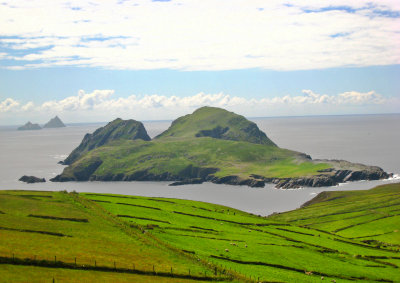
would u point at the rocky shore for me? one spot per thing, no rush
(341, 172)
(194, 175)
(339, 176)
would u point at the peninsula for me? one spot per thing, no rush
(211, 144)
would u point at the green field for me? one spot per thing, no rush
(371, 216)
(56, 228)
(342, 236)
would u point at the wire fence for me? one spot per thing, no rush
(206, 275)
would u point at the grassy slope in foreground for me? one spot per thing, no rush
(277, 248)
(187, 234)
(371, 216)
(49, 226)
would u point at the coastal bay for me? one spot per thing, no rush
(376, 136)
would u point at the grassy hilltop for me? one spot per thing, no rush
(216, 123)
(211, 144)
(342, 236)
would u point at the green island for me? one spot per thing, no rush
(212, 145)
(341, 236)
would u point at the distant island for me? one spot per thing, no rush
(31, 179)
(211, 144)
(54, 123)
(29, 126)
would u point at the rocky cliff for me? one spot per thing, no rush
(116, 130)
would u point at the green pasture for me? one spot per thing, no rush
(14, 273)
(270, 249)
(371, 215)
(342, 236)
(57, 226)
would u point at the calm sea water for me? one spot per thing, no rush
(368, 139)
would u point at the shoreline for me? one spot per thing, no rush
(327, 178)
(258, 201)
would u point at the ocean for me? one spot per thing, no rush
(367, 139)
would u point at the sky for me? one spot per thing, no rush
(89, 61)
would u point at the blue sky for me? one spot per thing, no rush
(93, 61)
(58, 83)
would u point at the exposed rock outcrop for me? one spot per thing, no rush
(196, 175)
(31, 179)
(82, 172)
(235, 180)
(187, 182)
(86, 173)
(330, 177)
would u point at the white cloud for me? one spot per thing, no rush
(28, 107)
(201, 35)
(9, 104)
(354, 97)
(99, 105)
(82, 101)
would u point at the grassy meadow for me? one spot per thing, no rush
(62, 228)
(343, 236)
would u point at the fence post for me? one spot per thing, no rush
(171, 270)
(75, 261)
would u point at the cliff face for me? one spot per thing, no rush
(29, 126)
(54, 123)
(116, 130)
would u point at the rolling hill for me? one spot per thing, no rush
(342, 236)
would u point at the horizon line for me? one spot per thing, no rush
(247, 117)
